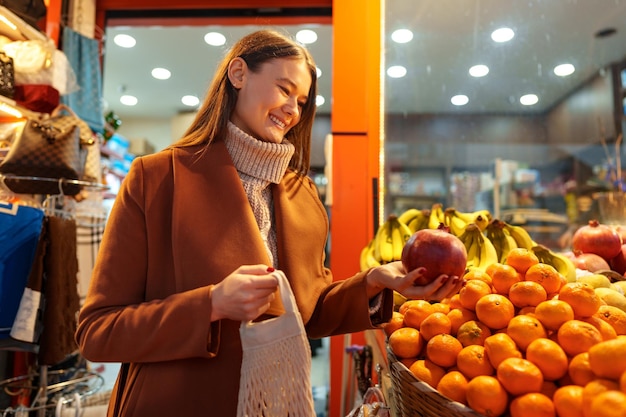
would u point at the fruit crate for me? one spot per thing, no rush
(413, 397)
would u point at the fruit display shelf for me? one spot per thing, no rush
(413, 397)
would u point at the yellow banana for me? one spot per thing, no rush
(383, 247)
(520, 235)
(488, 254)
(480, 217)
(400, 233)
(502, 242)
(419, 221)
(409, 215)
(367, 259)
(560, 262)
(436, 216)
(480, 251)
(454, 222)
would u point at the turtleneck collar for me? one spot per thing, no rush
(263, 160)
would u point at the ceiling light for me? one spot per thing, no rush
(564, 70)
(306, 36)
(529, 99)
(128, 100)
(318, 71)
(215, 39)
(402, 36)
(479, 70)
(396, 71)
(319, 100)
(125, 41)
(190, 100)
(502, 35)
(161, 73)
(459, 100)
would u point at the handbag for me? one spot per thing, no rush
(276, 367)
(47, 149)
(7, 75)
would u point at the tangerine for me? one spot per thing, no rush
(581, 297)
(441, 307)
(486, 395)
(454, 386)
(406, 342)
(519, 376)
(568, 401)
(477, 273)
(545, 275)
(606, 330)
(500, 346)
(533, 404)
(553, 313)
(503, 276)
(442, 350)
(608, 358)
(436, 323)
(521, 259)
(473, 332)
(415, 311)
(427, 371)
(616, 317)
(494, 310)
(524, 329)
(577, 336)
(549, 357)
(527, 294)
(395, 322)
(579, 369)
(609, 404)
(592, 390)
(472, 361)
(459, 316)
(472, 291)
(622, 382)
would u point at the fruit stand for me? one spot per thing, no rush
(531, 332)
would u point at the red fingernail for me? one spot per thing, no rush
(270, 269)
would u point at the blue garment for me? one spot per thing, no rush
(20, 228)
(83, 54)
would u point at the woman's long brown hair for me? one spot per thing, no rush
(255, 49)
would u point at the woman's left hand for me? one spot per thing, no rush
(394, 276)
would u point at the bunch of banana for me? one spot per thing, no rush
(480, 251)
(502, 241)
(560, 262)
(415, 219)
(436, 216)
(367, 259)
(520, 235)
(390, 239)
(480, 217)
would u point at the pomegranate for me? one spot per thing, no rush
(618, 263)
(437, 250)
(590, 262)
(597, 238)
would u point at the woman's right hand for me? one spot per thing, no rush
(245, 294)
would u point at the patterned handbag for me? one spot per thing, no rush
(42, 153)
(7, 75)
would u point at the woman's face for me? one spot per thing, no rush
(270, 101)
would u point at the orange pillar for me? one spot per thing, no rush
(356, 151)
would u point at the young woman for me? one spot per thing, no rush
(196, 230)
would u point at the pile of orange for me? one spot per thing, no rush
(518, 340)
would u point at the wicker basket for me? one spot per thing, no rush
(413, 397)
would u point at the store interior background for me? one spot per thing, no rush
(434, 151)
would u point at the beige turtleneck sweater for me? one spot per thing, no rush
(259, 165)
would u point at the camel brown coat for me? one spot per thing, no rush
(180, 224)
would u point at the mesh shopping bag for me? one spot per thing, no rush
(276, 367)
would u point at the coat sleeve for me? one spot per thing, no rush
(132, 313)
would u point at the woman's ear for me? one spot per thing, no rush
(236, 70)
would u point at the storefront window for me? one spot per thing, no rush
(529, 127)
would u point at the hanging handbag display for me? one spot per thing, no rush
(276, 367)
(46, 149)
(7, 75)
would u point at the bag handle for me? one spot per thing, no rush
(286, 295)
(61, 107)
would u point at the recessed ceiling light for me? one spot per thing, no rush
(306, 36)
(190, 100)
(215, 39)
(319, 100)
(125, 41)
(318, 71)
(402, 36)
(161, 73)
(459, 100)
(128, 100)
(529, 99)
(502, 34)
(564, 70)
(479, 70)
(396, 71)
